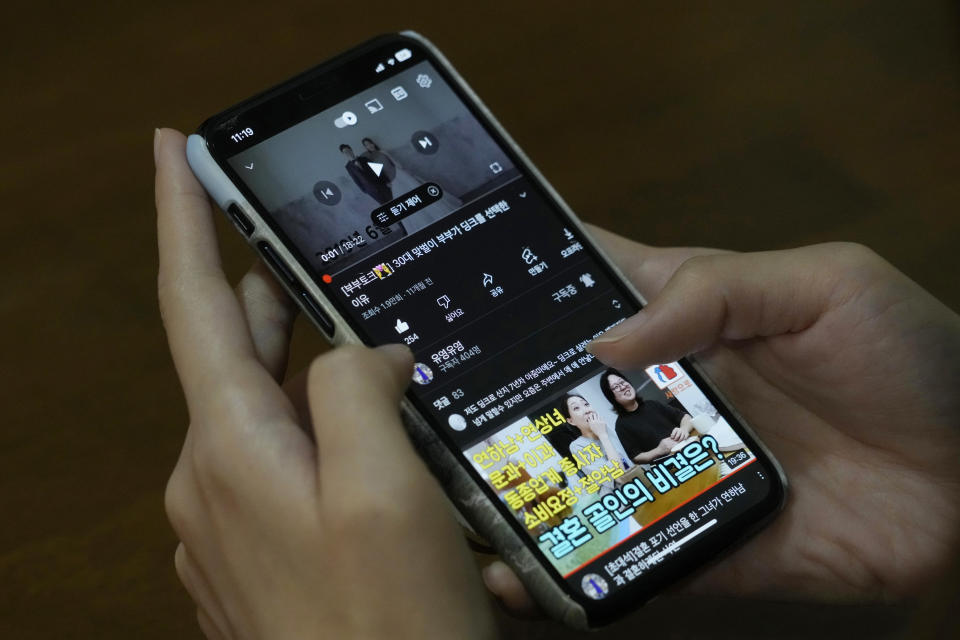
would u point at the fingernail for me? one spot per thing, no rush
(620, 331)
(156, 145)
(492, 574)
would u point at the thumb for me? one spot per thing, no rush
(354, 397)
(730, 297)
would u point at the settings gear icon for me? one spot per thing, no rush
(424, 80)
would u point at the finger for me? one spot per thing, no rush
(296, 389)
(726, 296)
(200, 592)
(208, 335)
(354, 395)
(648, 268)
(208, 627)
(270, 314)
(503, 583)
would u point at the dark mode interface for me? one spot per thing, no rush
(424, 231)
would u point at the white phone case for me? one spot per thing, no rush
(480, 513)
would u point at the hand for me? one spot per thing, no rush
(665, 447)
(849, 373)
(678, 434)
(293, 527)
(597, 424)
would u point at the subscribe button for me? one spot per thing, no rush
(406, 205)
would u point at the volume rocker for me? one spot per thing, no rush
(318, 314)
(240, 219)
(271, 258)
(307, 302)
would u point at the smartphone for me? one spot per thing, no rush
(394, 208)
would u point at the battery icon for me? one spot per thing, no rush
(403, 54)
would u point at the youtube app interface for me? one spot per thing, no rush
(423, 230)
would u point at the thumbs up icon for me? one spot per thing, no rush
(401, 326)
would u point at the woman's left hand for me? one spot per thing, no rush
(295, 526)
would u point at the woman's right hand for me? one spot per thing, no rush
(849, 372)
(597, 424)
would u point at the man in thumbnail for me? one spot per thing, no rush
(647, 429)
(377, 187)
(376, 154)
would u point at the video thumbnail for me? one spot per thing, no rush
(322, 178)
(590, 468)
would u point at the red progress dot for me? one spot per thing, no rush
(326, 278)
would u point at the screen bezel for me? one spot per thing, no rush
(350, 73)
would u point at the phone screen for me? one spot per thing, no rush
(424, 227)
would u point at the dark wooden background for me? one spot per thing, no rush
(747, 125)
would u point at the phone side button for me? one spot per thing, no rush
(240, 219)
(271, 258)
(317, 313)
(311, 306)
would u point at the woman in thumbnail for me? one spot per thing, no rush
(647, 429)
(401, 180)
(374, 185)
(592, 430)
(374, 153)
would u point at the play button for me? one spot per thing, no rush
(425, 142)
(376, 167)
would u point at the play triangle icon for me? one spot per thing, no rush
(376, 167)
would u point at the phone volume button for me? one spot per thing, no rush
(279, 267)
(297, 290)
(240, 219)
(312, 307)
